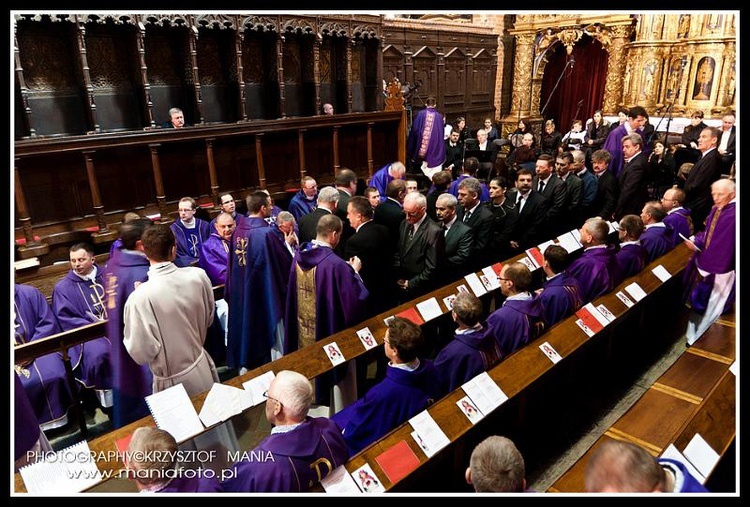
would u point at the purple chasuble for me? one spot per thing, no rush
(560, 297)
(596, 271)
(256, 287)
(44, 379)
(425, 141)
(213, 259)
(466, 356)
(189, 240)
(130, 381)
(515, 324)
(290, 462)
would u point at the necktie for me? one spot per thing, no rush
(541, 186)
(411, 232)
(467, 216)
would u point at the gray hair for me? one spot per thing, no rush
(328, 194)
(448, 200)
(295, 392)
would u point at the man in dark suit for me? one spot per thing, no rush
(607, 187)
(390, 213)
(421, 249)
(479, 218)
(571, 218)
(458, 239)
(698, 183)
(346, 184)
(554, 191)
(632, 180)
(530, 205)
(371, 243)
(328, 199)
(453, 154)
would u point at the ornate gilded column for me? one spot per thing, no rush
(520, 106)
(617, 61)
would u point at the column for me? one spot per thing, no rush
(140, 34)
(617, 61)
(192, 40)
(96, 200)
(161, 199)
(83, 61)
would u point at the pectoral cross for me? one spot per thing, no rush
(97, 300)
(241, 250)
(193, 239)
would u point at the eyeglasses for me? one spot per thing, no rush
(265, 395)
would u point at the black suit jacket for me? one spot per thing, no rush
(503, 226)
(529, 226)
(458, 251)
(372, 244)
(555, 195)
(308, 224)
(481, 222)
(728, 157)
(633, 183)
(390, 214)
(420, 259)
(698, 187)
(606, 196)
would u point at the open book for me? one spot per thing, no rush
(174, 412)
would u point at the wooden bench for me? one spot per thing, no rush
(696, 395)
(517, 376)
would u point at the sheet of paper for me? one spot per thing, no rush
(636, 291)
(366, 480)
(429, 436)
(550, 352)
(333, 352)
(604, 311)
(429, 309)
(592, 318)
(733, 368)
(701, 455)
(535, 256)
(367, 339)
(528, 263)
(671, 452)
(476, 285)
(497, 267)
(339, 481)
(462, 288)
(491, 278)
(661, 273)
(174, 412)
(485, 393)
(625, 299)
(568, 242)
(259, 385)
(70, 470)
(613, 226)
(470, 410)
(577, 236)
(222, 402)
(448, 301)
(542, 247)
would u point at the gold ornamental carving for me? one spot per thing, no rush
(522, 72)
(614, 84)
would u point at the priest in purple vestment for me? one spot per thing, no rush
(300, 451)
(215, 250)
(560, 293)
(386, 174)
(425, 144)
(131, 381)
(78, 299)
(28, 437)
(410, 385)
(710, 274)
(677, 217)
(631, 257)
(44, 379)
(151, 461)
(657, 237)
(306, 198)
(189, 232)
(256, 287)
(326, 294)
(471, 351)
(520, 319)
(596, 269)
(613, 144)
